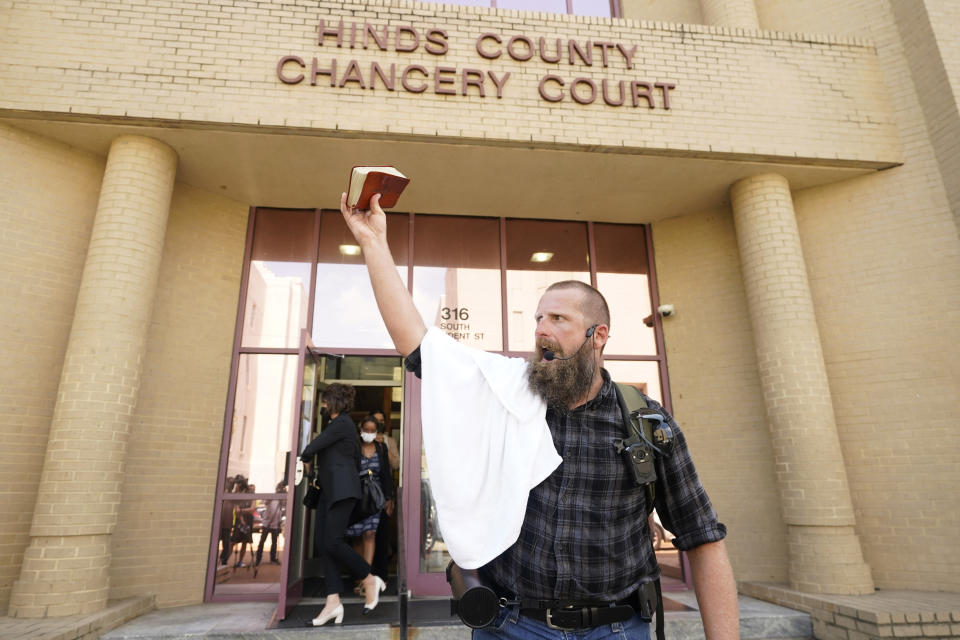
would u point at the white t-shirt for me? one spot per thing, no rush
(487, 443)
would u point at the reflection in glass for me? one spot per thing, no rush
(599, 8)
(644, 375)
(433, 551)
(297, 523)
(464, 3)
(262, 418)
(539, 253)
(456, 278)
(551, 6)
(345, 313)
(622, 278)
(366, 368)
(250, 548)
(279, 284)
(276, 305)
(345, 310)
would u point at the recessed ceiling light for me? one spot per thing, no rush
(349, 250)
(541, 256)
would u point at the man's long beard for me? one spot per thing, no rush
(561, 382)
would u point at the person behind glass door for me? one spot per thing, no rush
(243, 523)
(373, 457)
(383, 435)
(226, 524)
(338, 452)
(271, 526)
(386, 530)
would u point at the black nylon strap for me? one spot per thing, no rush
(660, 629)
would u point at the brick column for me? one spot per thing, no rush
(730, 13)
(825, 555)
(65, 568)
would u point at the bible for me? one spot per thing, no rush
(366, 181)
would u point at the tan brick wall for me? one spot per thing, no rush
(887, 305)
(944, 15)
(716, 387)
(48, 197)
(217, 63)
(162, 538)
(846, 17)
(676, 11)
(160, 543)
(66, 567)
(923, 47)
(730, 13)
(883, 258)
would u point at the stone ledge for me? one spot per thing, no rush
(901, 614)
(85, 627)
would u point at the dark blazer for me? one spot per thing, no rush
(386, 475)
(338, 456)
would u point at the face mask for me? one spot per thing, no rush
(368, 437)
(325, 413)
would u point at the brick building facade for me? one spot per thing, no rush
(797, 165)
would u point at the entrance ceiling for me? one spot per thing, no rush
(284, 168)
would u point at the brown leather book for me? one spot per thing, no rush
(366, 181)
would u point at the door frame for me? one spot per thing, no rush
(297, 516)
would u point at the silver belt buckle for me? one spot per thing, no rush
(549, 620)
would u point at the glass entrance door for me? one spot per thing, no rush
(425, 555)
(477, 279)
(297, 515)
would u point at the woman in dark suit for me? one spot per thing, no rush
(338, 454)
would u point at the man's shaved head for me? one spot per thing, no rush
(593, 305)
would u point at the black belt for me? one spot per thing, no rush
(573, 618)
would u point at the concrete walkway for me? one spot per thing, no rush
(883, 614)
(247, 621)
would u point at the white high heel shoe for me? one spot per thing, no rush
(378, 586)
(322, 619)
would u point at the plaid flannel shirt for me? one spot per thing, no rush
(585, 535)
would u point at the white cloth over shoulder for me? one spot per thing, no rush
(487, 443)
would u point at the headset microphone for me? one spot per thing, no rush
(550, 355)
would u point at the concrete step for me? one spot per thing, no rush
(247, 621)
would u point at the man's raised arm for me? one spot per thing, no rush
(369, 227)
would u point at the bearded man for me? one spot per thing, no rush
(528, 484)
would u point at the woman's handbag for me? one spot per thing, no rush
(311, 499)
(371, 500)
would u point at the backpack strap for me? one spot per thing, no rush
(635, 401)
(639, 441)
(632, 405)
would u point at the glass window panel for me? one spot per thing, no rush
(456, 278)
(644, 375)
(600, 8)
(278, 285)
(371, 368)
(539, 253)
(622, 278)
(250, 561)
(433, 551)
(345, 310)
(464, 3)
(592, 8)
(262, 419)
(551, 6)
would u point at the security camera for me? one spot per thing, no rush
(665, 310)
